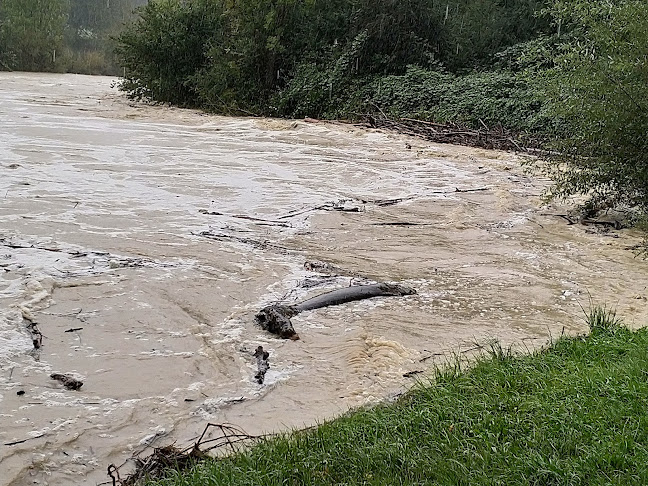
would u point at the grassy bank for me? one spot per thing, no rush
(574, 413)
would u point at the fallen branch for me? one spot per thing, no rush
(261, 245)
(401, 223)
(16, 442)
(471, 190)
(329, 206)
(276, 318)
(68, 381)
(485, 137)
(409, 374)
(163, 459)
(388, 202)
(262, 364)
(259, 221)
(328, 269)
(566, 217)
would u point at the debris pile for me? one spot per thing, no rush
(221, 438)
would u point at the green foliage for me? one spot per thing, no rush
(500, 97)
(397, 33)
(313, 57)
(61, 35)
(601, 319)
(570, 414)
(252, 55)
(493, 97)
(89, 34)
(31, 32)
(324, 89)
(478, 29)
(165, 47)
(599, 87)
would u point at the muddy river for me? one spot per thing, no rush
(142, 240)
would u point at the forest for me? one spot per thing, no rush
(62, 35)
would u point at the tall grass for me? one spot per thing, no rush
(600, 318)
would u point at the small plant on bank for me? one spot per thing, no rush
(602, 319)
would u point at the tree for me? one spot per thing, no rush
(31, 32)
(598, 87)
(92, 22)
(307, 57)
(166, 46)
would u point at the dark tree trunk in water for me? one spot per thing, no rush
(276, 318)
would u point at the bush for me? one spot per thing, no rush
(501, 98)
(163, 49)
(599, 87)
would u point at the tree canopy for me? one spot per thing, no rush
(61, 35)
(598, 87)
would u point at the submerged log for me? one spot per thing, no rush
(349, 294)
(276, 318)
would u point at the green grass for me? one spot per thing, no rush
(574, 413)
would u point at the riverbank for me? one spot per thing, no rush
(572, 413)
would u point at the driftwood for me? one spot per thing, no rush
(16, 442)
(328, 269)
(347, 205)
(349, 294)
(573, 219)
(276, 318)
(228, 439)
(115, 261)
(262, 364)
(486, 137)
(34, 332)
(258, 244)
(68, 381)
(259, 221)
(409, 374)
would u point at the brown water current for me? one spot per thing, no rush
(104, 205)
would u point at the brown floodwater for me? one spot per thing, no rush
(143, 239)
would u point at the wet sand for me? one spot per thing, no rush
(104, 208)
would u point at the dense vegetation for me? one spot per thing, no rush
(598, 87)
(62, 35)
(573, 413)
(316, 57)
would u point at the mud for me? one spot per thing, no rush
(104, 208)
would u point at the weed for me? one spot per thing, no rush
(600, 318)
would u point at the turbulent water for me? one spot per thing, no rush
(142, 240)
